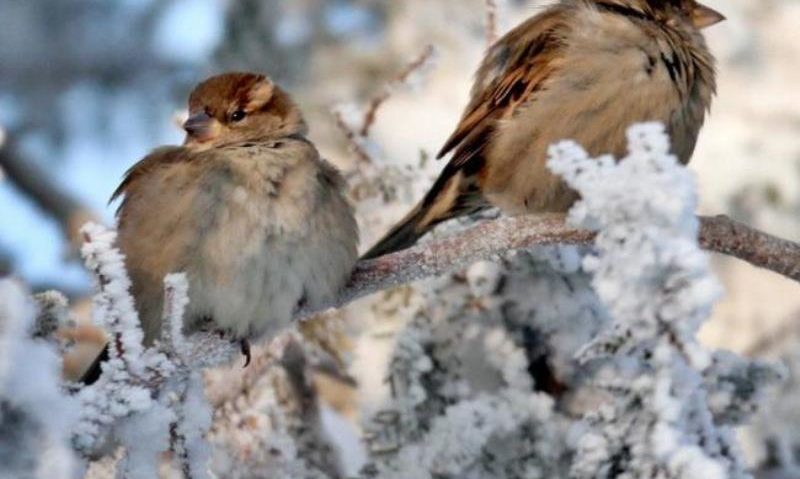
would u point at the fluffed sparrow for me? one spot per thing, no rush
(246, 208)
(583, 70)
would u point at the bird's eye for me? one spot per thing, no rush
(238, 116)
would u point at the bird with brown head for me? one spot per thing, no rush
(246, 208)
(235, 107)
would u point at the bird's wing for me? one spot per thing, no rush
(158, 158)
(514, 69)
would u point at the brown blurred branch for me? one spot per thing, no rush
(46, 193)
(354, 140)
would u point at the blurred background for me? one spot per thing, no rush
(88, 87)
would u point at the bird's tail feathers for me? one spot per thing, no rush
(451, 196)
(93, 372)
(403, 235)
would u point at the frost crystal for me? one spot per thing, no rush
(35, 415)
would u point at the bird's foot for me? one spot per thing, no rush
(245, 345)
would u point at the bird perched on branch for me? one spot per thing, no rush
(246, 208)
(583, 70)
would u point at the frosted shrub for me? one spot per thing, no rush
(35, 415)
(567, 363)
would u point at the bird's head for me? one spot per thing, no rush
(239, 107)
(688, 12)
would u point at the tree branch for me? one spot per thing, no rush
(723, 235)
(38, 185)
(483, 241)
(718, 234)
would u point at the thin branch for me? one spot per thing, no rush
(491, 22)
(357, 135)
(353, 139)
(400, 79)
(442, 256)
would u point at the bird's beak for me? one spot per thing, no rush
(200, 127)
(704, 17)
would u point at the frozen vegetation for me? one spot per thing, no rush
(556, 362)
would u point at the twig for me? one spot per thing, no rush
(491, 22)
(354, 141)
(400, 79)
(358, 135)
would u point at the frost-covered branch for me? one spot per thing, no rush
(655, 282)
(151, 399)
(494, 238)
(616, 324)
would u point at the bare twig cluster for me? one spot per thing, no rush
(402, 78)
(39, 186)
(357, 134)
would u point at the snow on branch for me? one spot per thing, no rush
(148, 399)
(151, 399)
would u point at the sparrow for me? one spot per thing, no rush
(583, 70)
(246, 208)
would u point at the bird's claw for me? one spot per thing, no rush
(245, 345)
